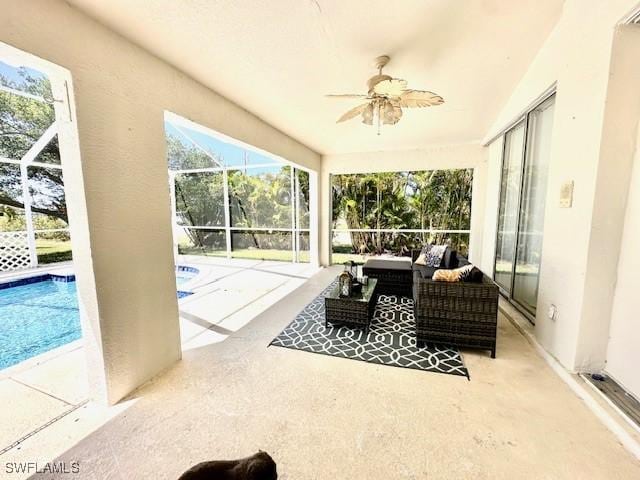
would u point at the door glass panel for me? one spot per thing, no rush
(534, 188)
(508, 209)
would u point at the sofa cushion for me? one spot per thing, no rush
(462, 261)
(424, 271)
(449, 259)
(389, 263)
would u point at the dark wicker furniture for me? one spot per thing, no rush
(461, 314)
(394, 275)
(354, 311)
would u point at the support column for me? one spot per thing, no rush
(617, 147)
(118, 197)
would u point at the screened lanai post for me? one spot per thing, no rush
(297, 230)
(174, 217)
(227, 211)
(292, 199)
(27, 160)
(314, 227)
(28, 216)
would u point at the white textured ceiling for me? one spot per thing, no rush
(277, 58)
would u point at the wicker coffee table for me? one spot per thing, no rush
(354, 311)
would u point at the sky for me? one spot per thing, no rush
(230, 154)
(11, 72)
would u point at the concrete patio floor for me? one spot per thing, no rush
(45, 397)
(322, 417)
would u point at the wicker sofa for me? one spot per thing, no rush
(463, 314)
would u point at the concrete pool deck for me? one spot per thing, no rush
(230, 395)
(45, 398)
(323, 417)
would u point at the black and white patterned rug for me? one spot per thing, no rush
(391, 339)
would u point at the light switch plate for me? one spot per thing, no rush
(566, 194)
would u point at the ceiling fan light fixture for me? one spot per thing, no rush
(389, 114)
(367, 114)
(397, 112)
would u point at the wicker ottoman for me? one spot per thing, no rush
(393, 273)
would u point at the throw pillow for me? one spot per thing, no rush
(465, 272)
(474, 276)
(435, 254)
(422, 258)
(444, 275)
(455, 275)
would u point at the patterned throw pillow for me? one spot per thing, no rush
(465, 272)
(455, 275)
(422, 258)
(435, 254)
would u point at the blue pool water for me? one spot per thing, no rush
(183, 277)
(36, 318)
(41, 316)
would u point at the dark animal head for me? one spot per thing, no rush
(261, 467)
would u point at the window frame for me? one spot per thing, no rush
(525, 117)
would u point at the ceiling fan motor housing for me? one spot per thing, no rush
(376, 79)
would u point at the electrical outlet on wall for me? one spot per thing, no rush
(552, 313)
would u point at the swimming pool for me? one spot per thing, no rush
(36, 318)
(43, 314)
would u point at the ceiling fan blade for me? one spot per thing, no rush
(354, 112)
(420, 98)
(346, 95)
(391, 88)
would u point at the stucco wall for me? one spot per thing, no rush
(437, 157)
(578, 55)
(623, 352)
(121, 92)
(492, 202)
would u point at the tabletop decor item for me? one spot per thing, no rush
(345, 282)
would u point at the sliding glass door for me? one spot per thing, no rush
(531, 221)
(508, 210)
(522, 202)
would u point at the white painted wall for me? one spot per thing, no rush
(623, 352)
(589, 146)
(492, 201)
(122, 234)
(437, 157)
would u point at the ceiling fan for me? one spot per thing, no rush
(386, 98)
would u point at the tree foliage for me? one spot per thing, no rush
(22, 122)
(258, 199)
(424, 200)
